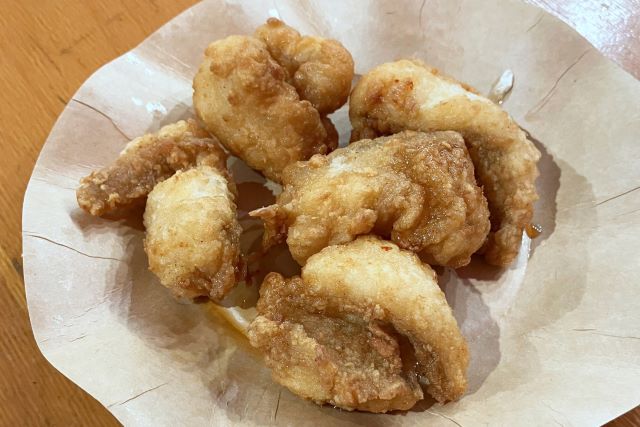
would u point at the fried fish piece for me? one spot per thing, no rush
(242, 96)
(320, 69)
(143, 163)
(408, 94)
(360, 329)
(415, 188)
(193, 235)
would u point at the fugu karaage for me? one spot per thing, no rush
(362, 327)
(193, 235)
(409, 95)
(251, 93)
(418, 189)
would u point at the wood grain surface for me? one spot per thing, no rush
(48, 49)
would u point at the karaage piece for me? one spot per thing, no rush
(410, 95)
(243, 98)
(143, 163)
(418, 189)
(320, 69)
(362, 327)
(193, 235)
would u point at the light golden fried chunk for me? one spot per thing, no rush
(242, 97)
(193, 235)
(143, 163)
(410, 95)
(360, 329)
(320, 69)
(415, 188)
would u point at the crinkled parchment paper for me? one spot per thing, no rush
(555, 338)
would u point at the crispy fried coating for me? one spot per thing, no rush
(362, 326)
(243, 98)
(320, 69)
(415, 188)
(143, 163)
(193, 235)
(410, 95)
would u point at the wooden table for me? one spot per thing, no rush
(48, 49)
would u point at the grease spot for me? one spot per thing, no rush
(156, 107)
(273, 13)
